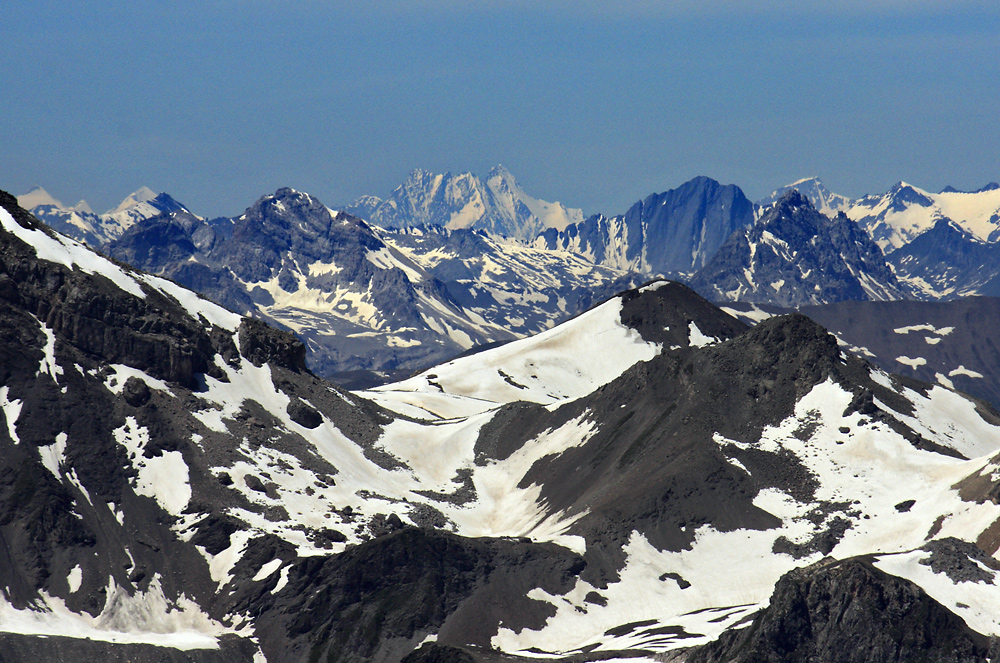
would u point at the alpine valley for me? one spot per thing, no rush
(548, 452)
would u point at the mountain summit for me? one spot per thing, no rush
(822, 198)
(795, 255)
(666, 233)
(496, 204)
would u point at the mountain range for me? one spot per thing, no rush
(425, 291)
(364, 298)
(652, 479)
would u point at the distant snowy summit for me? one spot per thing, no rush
(898, 216)
(496, 204)
(904, 212)
(822, 198)
(81, 223)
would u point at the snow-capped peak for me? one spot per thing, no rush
(37, 196)
(141, 195)
(822, 198)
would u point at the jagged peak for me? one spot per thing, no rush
(500, 170)
(793, 200)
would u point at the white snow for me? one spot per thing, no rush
(267, 570)
(282, 580)
(120, 373)
(752, 316)
(75, 578)
(697, 339)
(962, 370)
(145, 617)
(54, 455)
(163, 477)
(11, 412)
(49, 365)
(943, 331)
(72, 254)
(555, 366)
(194, 304)
(978, 603)
(912, 363)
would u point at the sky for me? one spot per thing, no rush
(594, 104)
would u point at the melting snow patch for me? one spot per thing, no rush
(646, 597)
(976, 603)
(75, 578)
(697, 339)
(49, 365)
(943, 331)
(163, 477)
(11, 412)
(54, 455)
(282, 580)
(754, 314)
(912, 363)
(267, 570)
(121, 373)
(962, 370)
(145, 617)
(221, 566)
(653, 287)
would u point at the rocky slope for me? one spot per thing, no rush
(947, 262)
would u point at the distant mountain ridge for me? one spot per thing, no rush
(81, 223)
(362, 297)
(672, 232)
(496, 204)
(822, 198)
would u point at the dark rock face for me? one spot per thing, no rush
(956, 340)
(379, 597)
(795, 256)
(265, 345)
(825, 612)
(91, 313)
(666, 233)
(18, 648)
(947, 262)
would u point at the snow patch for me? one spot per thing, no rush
(962, 370)
(54, 455)
(163, 477)
(912, 363)
(11, 412)
(697, 339)
(75, 578)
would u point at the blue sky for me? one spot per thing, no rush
(221, 102)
